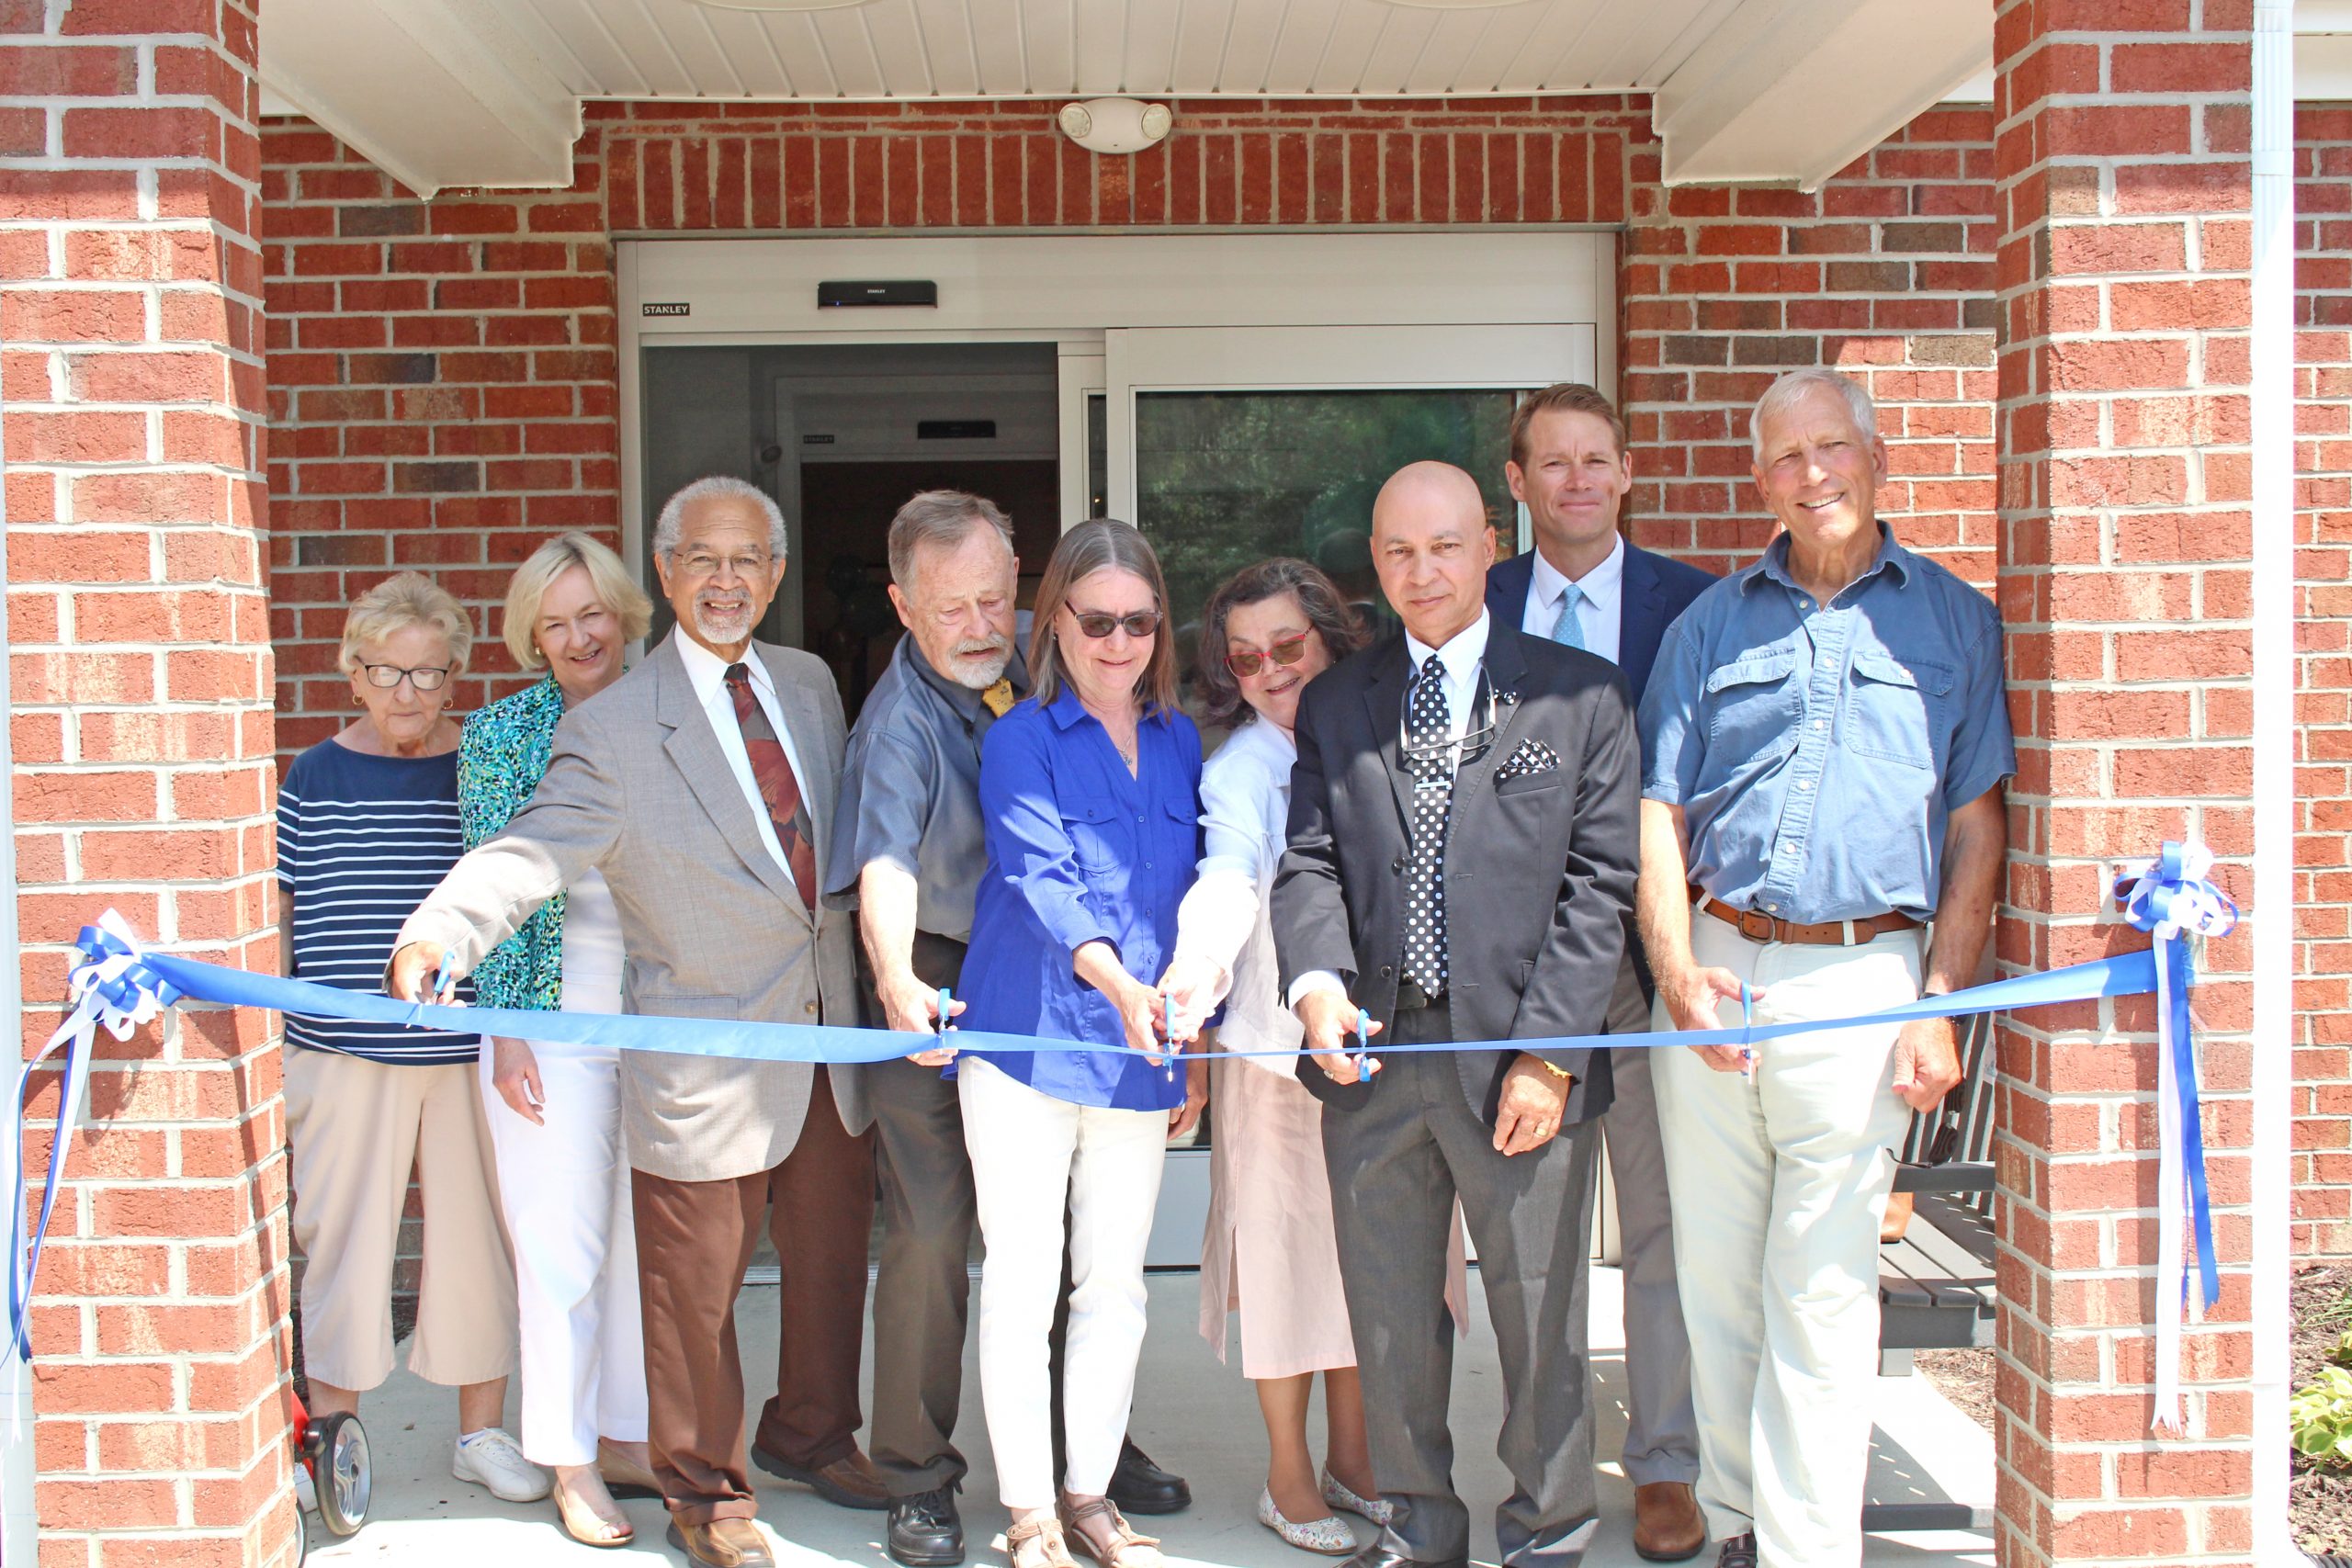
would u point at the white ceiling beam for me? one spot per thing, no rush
(1796, 89)
(436, 93)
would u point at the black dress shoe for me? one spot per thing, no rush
(1740, 1551)
(1378, 1556)
(925, 1531)
(1140, 1486)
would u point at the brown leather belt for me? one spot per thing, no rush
(1758, 925)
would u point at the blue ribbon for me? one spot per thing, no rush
(121, 984)
(2131, 974)
(2170, 898)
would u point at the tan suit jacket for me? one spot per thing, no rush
(638, 789)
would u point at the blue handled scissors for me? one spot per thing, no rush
(1364, 1043)
(445, 977)
(948, 1068)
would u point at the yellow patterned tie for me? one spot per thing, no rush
(998, 697)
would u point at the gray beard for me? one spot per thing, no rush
(962, 674)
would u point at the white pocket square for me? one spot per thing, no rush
(1532, 756)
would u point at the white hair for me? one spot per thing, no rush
(717, 487)
(1790, 388)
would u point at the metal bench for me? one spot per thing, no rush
(1936, 1289)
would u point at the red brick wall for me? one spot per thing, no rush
(2323, 784)
(137, 637)
(441, 396)
(2124, 479)
(1886, 274)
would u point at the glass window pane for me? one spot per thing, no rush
(1225, 478)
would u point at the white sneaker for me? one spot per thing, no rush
(489, 1457)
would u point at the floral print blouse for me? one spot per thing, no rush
(501, 759)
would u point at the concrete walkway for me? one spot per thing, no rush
(1198, 1418)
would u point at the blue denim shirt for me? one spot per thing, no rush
(1818, 751)
(1080, 850)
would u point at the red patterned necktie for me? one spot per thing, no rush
(771, 769)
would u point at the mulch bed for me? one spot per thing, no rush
(2319, 1500)
(1963, 1377)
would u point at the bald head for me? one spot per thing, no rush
(1432, 545)
(1430, 486)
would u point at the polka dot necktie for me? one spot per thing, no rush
(1429, 737)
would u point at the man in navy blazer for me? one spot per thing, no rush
(1585, 586)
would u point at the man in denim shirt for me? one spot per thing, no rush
(1825, 743)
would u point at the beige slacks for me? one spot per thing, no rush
(1779, 1181)
(357, 1127)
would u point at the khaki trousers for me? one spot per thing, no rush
(1779, 1180)
(357, 1129)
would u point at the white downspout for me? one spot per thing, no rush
(2273, 412)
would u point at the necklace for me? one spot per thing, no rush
(1126, 752)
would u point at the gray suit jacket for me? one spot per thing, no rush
(638, 789)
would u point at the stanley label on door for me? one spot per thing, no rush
(673, 307)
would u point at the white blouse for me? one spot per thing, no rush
(1225, 921)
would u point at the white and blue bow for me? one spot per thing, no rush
(110, 987)
(2171, 900)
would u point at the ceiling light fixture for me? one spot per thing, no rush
(1115, 125)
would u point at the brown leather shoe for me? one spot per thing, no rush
(723, 1543)
(1667, 1525)
(850, 1482)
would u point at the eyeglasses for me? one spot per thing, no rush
(1098, 623)
(701, 564)
(425, 678)
(1247, 661)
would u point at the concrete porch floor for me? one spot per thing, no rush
(1196, 1416)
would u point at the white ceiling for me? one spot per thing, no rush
(488, 92)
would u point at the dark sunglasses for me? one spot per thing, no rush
(1246, 662)
(1098, 623)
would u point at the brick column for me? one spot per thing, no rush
(141, 724)
(2122, 425)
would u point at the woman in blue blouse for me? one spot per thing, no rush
(1089, 805)
(554, 1109)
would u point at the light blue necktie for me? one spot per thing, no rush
(1568, 631)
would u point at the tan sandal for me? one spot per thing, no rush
(1125, 1549)
(586, 1526)
(1038, 1542)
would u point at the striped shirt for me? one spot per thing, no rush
(361, 841)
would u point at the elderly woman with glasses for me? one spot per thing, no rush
(554, 1108)
(1089, 813)
(366, 825)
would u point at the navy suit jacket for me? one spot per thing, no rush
(1657, 589)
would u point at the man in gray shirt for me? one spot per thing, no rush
(906, 854)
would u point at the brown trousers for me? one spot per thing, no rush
(693, 1241)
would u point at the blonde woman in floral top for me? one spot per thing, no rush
(554, 1108)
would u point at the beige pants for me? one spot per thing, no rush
(1779, 1180)
(357, 1128)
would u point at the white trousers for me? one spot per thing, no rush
(1034, 1157)
(1779, 1182)
(566, 1191)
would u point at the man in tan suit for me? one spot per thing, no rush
(702, 785)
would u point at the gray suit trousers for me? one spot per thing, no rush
(1397, 1166)
(1661, 1427)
